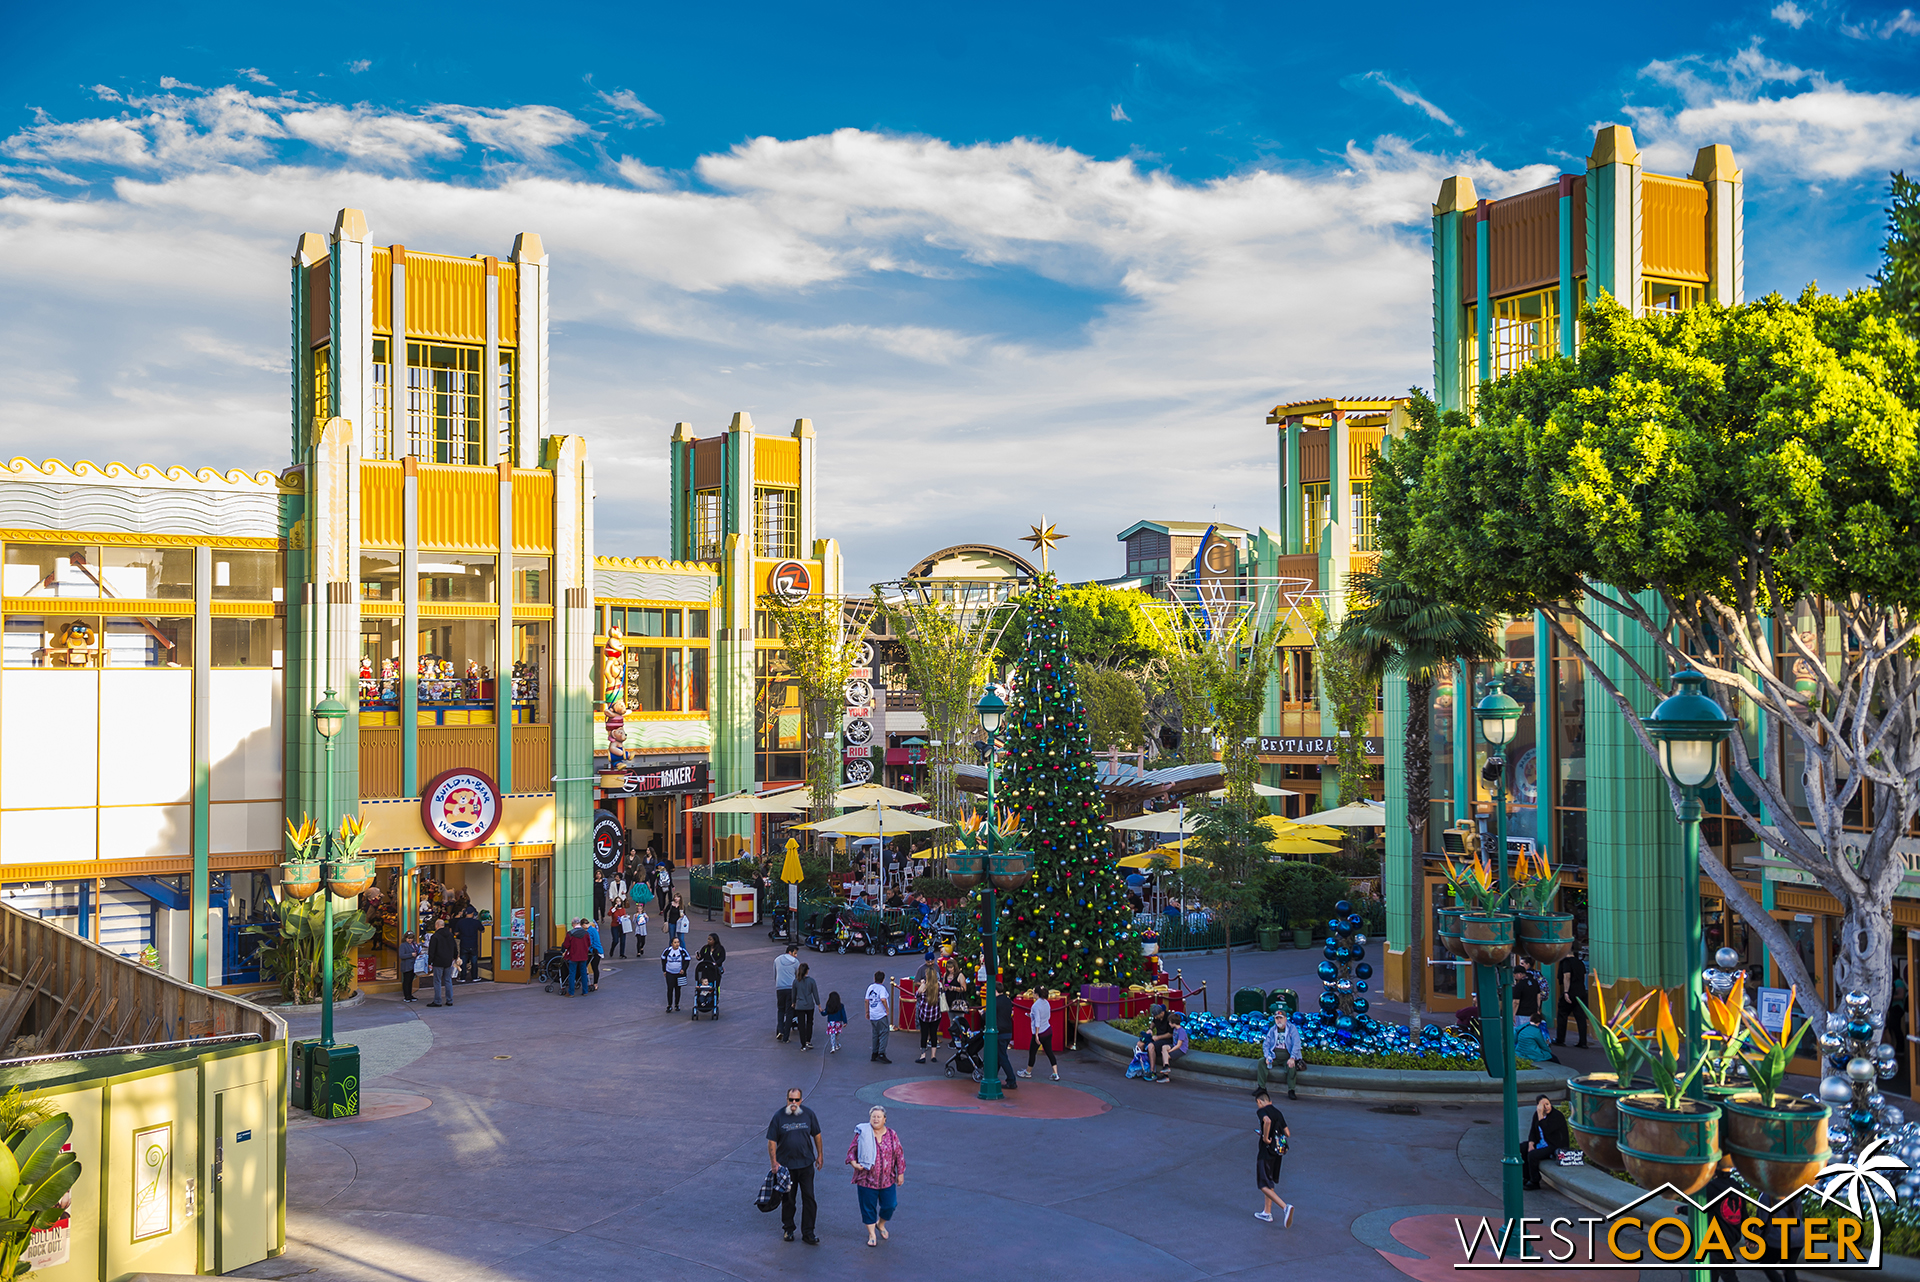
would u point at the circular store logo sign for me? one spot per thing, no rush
(1218, 557)
(608, 839)
(859, 731)
(790, 581)
(859, 693)
(460, 808)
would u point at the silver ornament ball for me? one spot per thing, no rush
(1857, 1000)
(1726, 959)
(1862, 1069)
(1835, 1089)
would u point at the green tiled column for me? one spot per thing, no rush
(1403, 863)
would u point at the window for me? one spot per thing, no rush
(380, 576)
(532, 580)
(456, 662)
(240, 575)
(1365, 520)
(50, 570)
(1569, 784)
(645, 680)
(1671, 295)
(151, 573)
(1525, 329)
(1296, 677)
(776, 530)
(67, 641)
(443, 402)
(383, 398)
(696, 681)
(247, 643)
(147, 643)
(504, 401)
(322, 390)
(696, 623)
(645, 623)
(1316, 509)
(530, 649)
(780, 750)
(456, 576)
(379, 663)
(766, 625)
(675, 661)
(706, 525)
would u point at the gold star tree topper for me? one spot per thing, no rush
(1044, 536)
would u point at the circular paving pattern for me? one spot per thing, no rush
(1035, 1100)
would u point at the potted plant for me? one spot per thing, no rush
(35, 1177)
(1778, 1144)
(350, 873)
(300, 875)
(1471, 886)
(1666, 1138)
(1269, 932)
(1544, 935)
(1302, 928)
(1725, 1031)
(1593, 1114)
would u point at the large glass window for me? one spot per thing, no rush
(696, 623)
(1440, 758)
(62, 570)
(456, 661)
(247, 643)
(443, 402)
(707, 525)
(696, 681)
(646, 623)
(383, 398)
(243, 575)
(532, 580)
(147, 643)
(1522, 757)
(531, 643)
(322, 389)
(1525, 329)
(88, 642)
(776, 527)
(1316, 509)
(379, 662)
(646, 674)
(505, 399)
(1570, 751)
(456, 576)
(1364, 520)
(1671, 295)
(780, 749)
(380, 576)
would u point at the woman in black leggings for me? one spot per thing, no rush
(1041, 1025)
(926, 1012)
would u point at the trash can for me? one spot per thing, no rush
(1284, 997)
(336, 1081)
(300, 1069)
(1246, 1001)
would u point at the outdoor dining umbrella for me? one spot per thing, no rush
(1259, 790)
(785, 802)
(1170, 854)
(1282, 827)
(867, 794)
(874, 821)
(1299, 846)
(1361, 814)
(1159, 821)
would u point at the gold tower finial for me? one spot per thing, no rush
(1044, 536)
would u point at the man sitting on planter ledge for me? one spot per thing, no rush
(1545, 1142)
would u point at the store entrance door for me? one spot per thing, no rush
(522, 928)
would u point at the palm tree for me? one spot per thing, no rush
(1392, 626)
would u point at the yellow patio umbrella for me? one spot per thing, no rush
(1283, 827)
(790, 870)
(1300, 846)
(1171, 854)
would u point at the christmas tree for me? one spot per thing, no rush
(1073, 924)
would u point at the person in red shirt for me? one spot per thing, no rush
(577, 951)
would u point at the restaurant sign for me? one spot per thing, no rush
(1320, 746)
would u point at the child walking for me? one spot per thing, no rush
(836, 1014)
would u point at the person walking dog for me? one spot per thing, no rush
(879, 1169)
(793, 1143)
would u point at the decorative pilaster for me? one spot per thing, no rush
(530, 256)
(1726, 248)
(1613, 217)
(1456, 200)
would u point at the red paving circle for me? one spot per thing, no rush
(1043, 1101)
(1437, 1238)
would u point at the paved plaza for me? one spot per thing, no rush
(521, 1134)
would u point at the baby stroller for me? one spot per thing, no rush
(706, 990)
(969, 1047)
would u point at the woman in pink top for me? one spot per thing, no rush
(879, 1168)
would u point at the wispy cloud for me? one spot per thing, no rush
(1120, 113)
(1411, 98)
(624, 102)
(359, 65)
(255, 74)
(1791, 14)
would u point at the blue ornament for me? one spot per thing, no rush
(1359, 985)
(1334, 927)
(1342, 952)
(1327, 970)
(1354, 921)
(1364, 970)
(1360, 1005)
(1331, 950)
(1328, 1003)
(1359, 951)
(1344, 1024)
(1343, 907)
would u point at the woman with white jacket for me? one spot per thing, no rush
(879, 1169)
(1042, 1039)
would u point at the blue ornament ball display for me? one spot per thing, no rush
(1364, 970)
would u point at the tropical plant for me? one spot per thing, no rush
(34, 1176)
(1472, 884)
(1616, 1034)
(1724, 1019)
(972, 831)
(353, 832)
(304, 839)
(1665, 1054)
(1899, 274)
(20, 1113)
(1767, 1061)
(295, 953)
(1536, 883)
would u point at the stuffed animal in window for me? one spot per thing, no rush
(75, 646)
(616, 734)
(613, 666)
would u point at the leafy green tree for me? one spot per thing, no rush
(1899, 274)
(1233, 885)
(1116, 706)
(1349, 695)
(949, 658)
(1391, 626)
(818, 648)
(1734, 490)
(1102, 625)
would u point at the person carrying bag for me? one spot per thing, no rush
(673, 963)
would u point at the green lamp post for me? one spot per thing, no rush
(328, 716)
(992, 709)
(1499, 716)
(1687, 729)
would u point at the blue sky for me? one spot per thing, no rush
(1009, 259)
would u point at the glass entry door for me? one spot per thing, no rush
(521, 929)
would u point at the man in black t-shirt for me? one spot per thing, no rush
(1274, 1136)
(793, 1141)
(1571, 975)
(467, 928)
(1526, 988)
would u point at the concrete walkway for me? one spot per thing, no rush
(598, 1136)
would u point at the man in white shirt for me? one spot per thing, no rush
(879, 1016)
(1040, 1020)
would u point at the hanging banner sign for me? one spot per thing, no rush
(609, 840)
(1322, 746)
(664, 780)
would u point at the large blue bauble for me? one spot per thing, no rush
(1364, 970)
(1331, 951)
(1359, 985)
(1329, 1003)
(1359, 1005)
(1343, 953)
(1335, 926)
(1355, 921)
(1859, 1029)
(1327, 970)
(1344, 1024)
(1357, 952)
(1343, 907)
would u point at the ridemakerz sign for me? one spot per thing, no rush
(1311, 747)
(666, 779)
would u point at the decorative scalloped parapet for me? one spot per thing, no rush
(86, 472)
(656, 565)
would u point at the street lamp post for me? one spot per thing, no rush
(1687, 729)
(991, 709)
(1499, 717)
(328, 716)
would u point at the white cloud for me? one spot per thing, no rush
(359, 65)
(526, 132)
(1901, 24)
(1825, 131)
(1791, 14)
(624, 102)
(254, 74)
(372, 135)
(1119, 113)
(1410, 98)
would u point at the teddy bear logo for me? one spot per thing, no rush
(461, 811)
